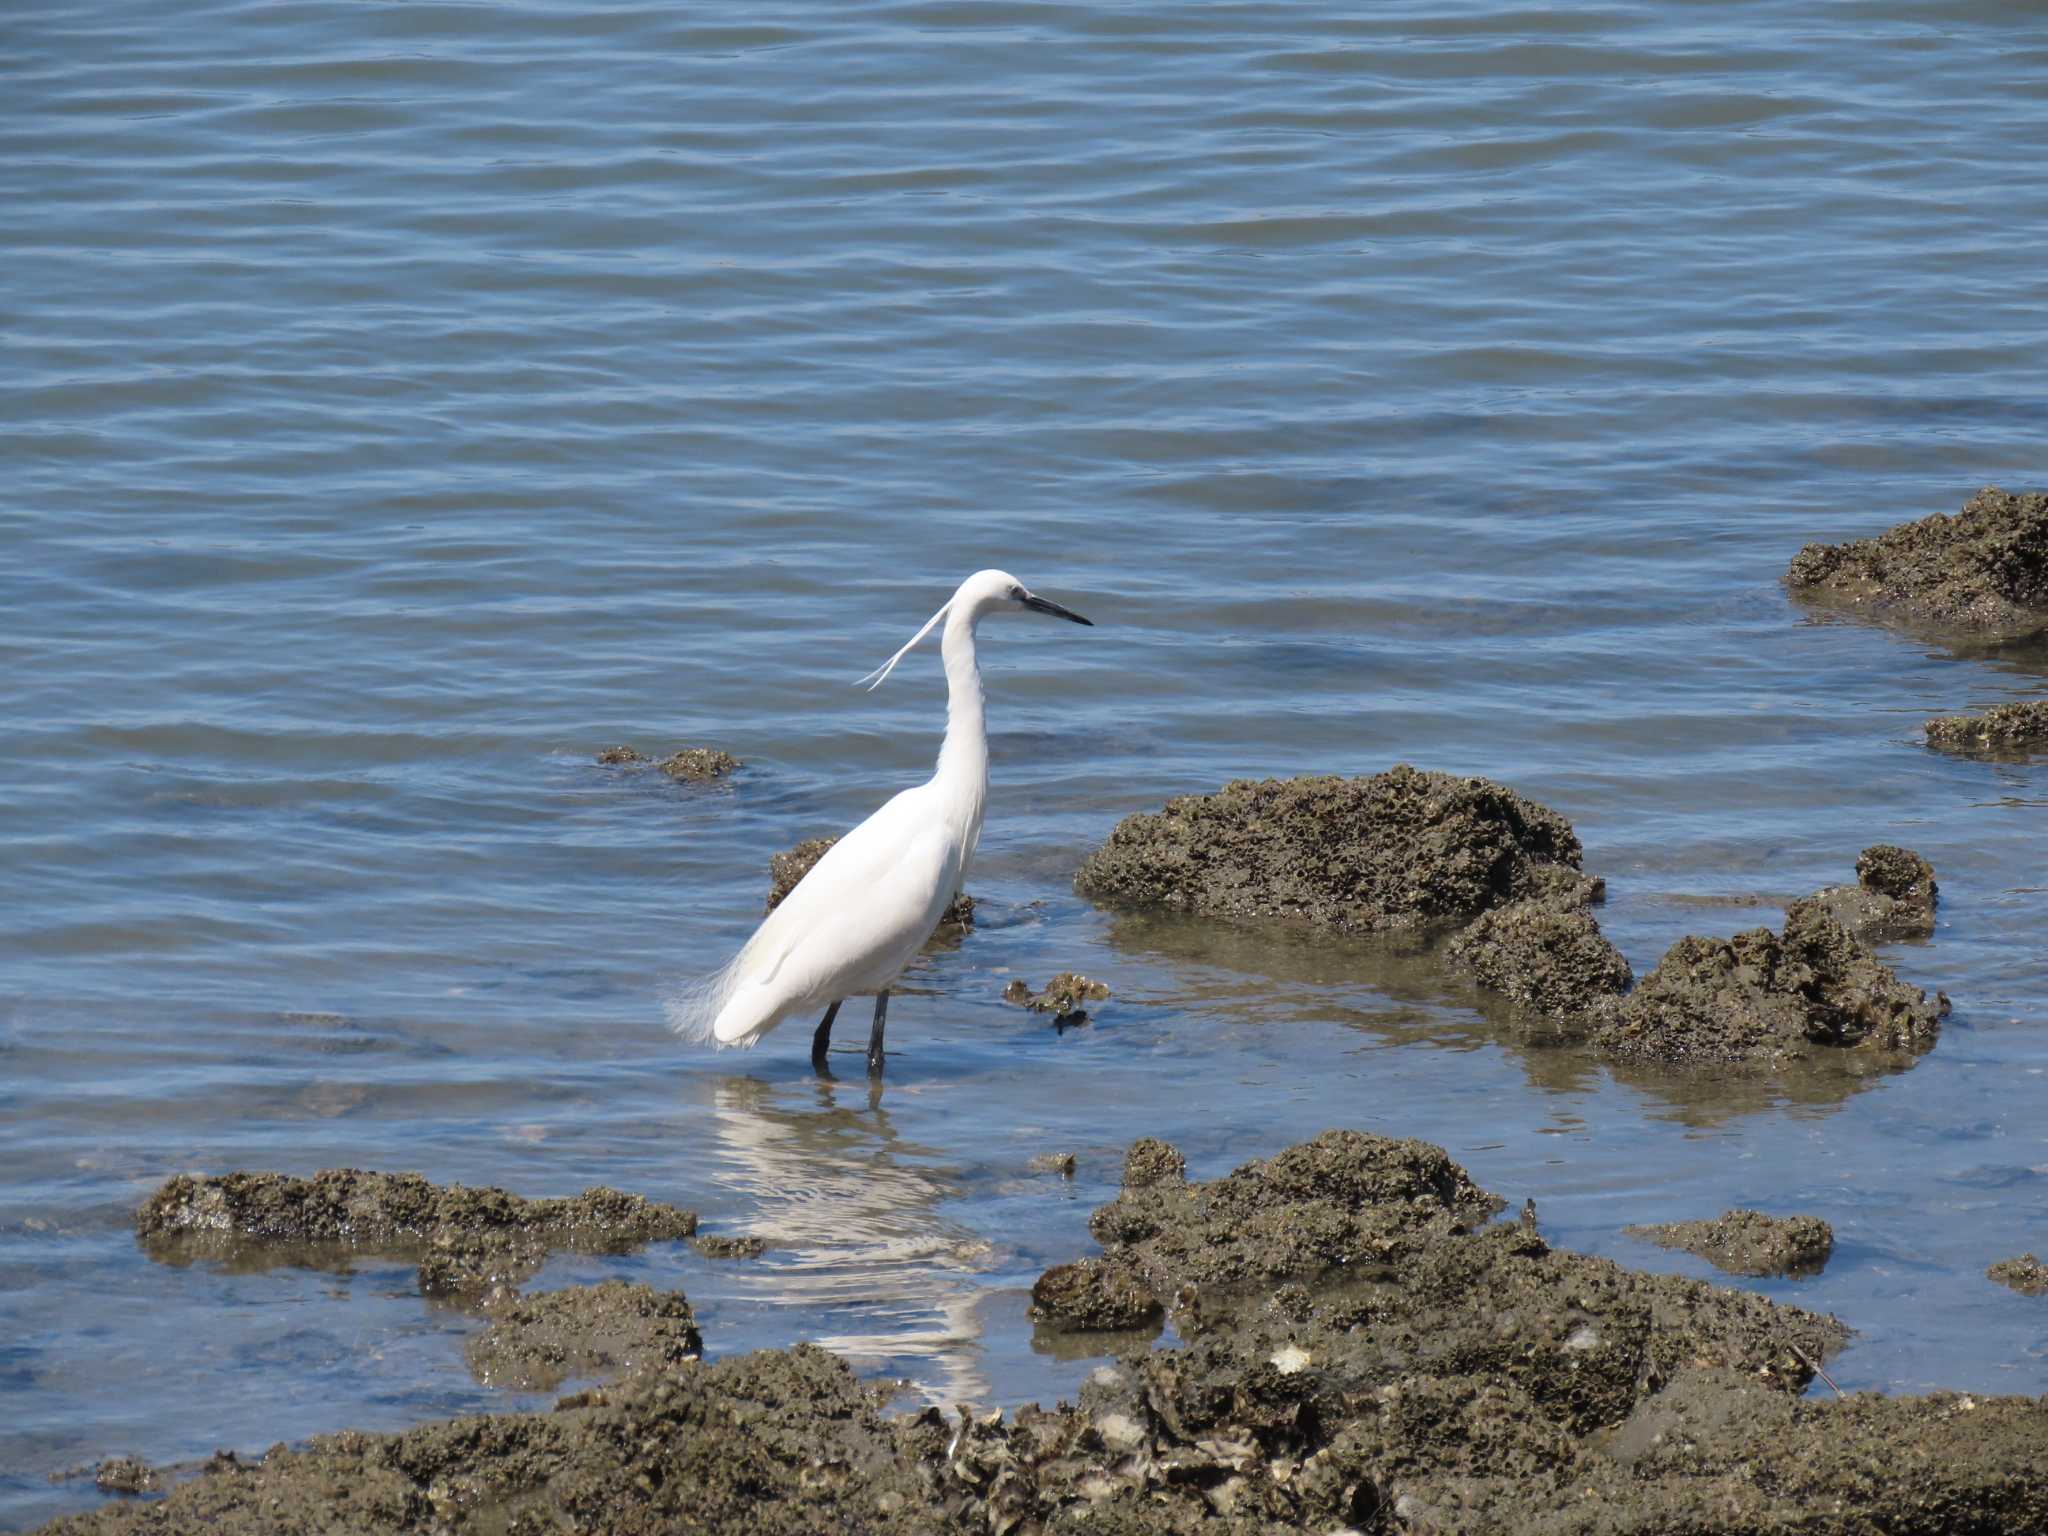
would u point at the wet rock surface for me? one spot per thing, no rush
(1549, 956)
(1893, 898)
(1985, 568)
(536, 1342)
(1065, 997)
(125, 1474)
(2025, 1274)
(1419, 1369)
(1402, 849)
(1768, 998)
(465, 1239)
(1749, 1242)
(717, 1245)
(686, 765)
(2015, 729)
(1089, 1294)
(786, 868)
(697, 764)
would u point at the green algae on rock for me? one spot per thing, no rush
(1768, 997)
(1984, 569)
(1401, 849)
(465, 1239)
(2004, 729)
(788, 867)
(1749, 1242)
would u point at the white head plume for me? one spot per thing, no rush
(876, 678)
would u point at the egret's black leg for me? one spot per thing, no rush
(822, 1040)
(875, 1039)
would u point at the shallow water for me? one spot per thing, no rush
(401, 403)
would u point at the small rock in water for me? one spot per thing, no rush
(2025, 1274)
(717, 1245)
(1061, 1163)
(1063, 997)
(125, 1474)
(698, 764)
(614, 757)
(1767, 998)
(1749, 1242)
(2005, 728)
(1984, 569)
(1402, 849)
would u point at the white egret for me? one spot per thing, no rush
(864, 909)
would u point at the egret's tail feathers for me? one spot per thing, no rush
(731, 1007)
(747, 1015)
(694, 1007)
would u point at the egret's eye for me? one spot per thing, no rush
(1017, 593)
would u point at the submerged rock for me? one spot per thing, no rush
(535, 1343)
(715, 1245)
(1064, 992)
(1770, 997)
(686, 765)
(1063, 997)
(1893, 897)
(788, 867)
(1749, 1242)
(1985, 568)
(465, 1239)
(2025, 1274)
(698, 764)
(2004, 728)
(1402, 849)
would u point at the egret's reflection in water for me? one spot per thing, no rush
(850, 1208)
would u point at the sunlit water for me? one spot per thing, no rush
(400, 403)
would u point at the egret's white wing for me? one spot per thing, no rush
(851, 923)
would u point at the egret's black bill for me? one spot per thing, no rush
(1040, 605)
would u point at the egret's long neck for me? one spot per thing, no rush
(963, 760)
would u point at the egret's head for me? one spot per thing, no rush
(981, 594)
(993, 591)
